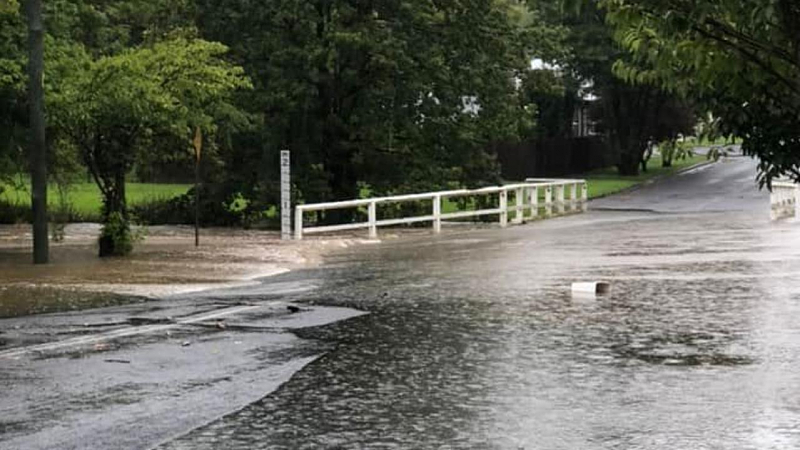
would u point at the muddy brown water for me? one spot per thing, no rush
(165, 263)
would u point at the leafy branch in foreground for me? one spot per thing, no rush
(738, 59)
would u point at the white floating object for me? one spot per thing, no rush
(591, 288)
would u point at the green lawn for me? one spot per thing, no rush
(85, 197)
(607, 181)
(601, 182)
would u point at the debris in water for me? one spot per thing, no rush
(119, 361)
(591, 288)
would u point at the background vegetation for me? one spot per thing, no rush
(377, 97)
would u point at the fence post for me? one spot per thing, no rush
(534, 201)
(548, 200)
(437, 214)
(520, 203)
(373, 220)
(797, 202)
(584, 196)
(560, 199)
(774, 200)
(298, 223)
(573, 197)
(504, 208)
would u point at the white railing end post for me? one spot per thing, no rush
(519, 201)
(373, 220)
(571, 203)
(584, 196)
(504, 207)
(796, 202)
(298, 223)
(548, 200)
(437, 214)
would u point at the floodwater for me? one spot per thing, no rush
(474, 341)
(165, 263)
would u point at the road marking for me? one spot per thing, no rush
(129, 331)
(693, 170)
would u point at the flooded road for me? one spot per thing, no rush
(474, 341)
(165, 263)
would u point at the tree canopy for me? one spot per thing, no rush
(113, 107)
(390, 97)
(397, 95)
(630, 115)
(739, 59)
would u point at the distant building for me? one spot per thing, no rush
(583, 124)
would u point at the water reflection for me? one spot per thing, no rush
(694, 348)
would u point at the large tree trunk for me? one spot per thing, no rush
(629, 163)
(38, 152)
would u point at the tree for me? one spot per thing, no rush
(38, 149)
(12, 87)
(373, 93)
(630, 114)
(111, 108)
(385, 96)
(738, 59)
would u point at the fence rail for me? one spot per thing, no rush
(525, 197)
(785, 200)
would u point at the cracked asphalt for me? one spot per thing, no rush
(137, 375)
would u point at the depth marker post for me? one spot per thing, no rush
(286, 196)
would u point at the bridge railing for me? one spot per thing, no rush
(546, 196)
(785, 200)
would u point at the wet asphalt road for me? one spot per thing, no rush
(134, 376)
(472, 341)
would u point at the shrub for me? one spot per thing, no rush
(231, 210)
(14, 213)
(116, 238)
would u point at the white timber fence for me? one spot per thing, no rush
(785, 200)
(533, 199)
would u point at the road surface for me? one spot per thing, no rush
(472, 340)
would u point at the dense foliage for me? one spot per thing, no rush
(385, 97)
(388, 96)
(396, 96)
(630, 115)
(739, 59)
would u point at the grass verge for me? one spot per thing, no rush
(607, 181)
(86, 200)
